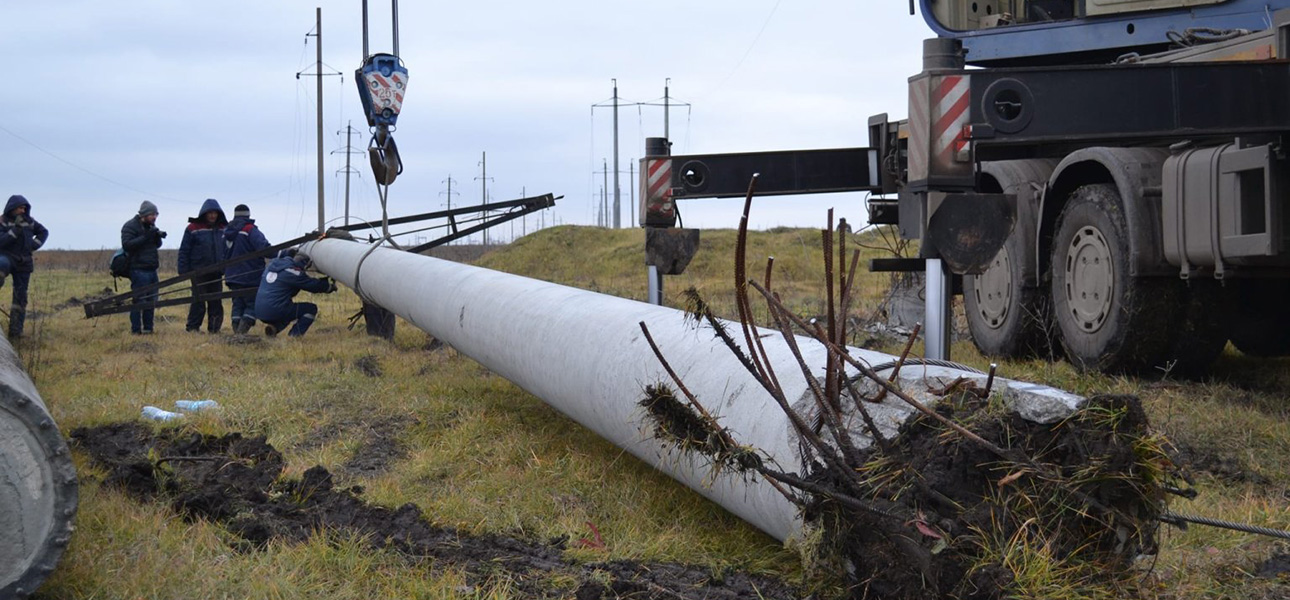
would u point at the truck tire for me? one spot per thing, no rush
(1006, 318)
(1259, 316)
(1109, 320)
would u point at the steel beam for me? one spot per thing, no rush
(37, 483)
(583, 353)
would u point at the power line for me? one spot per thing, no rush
(85, 170)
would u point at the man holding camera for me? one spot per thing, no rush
(140, 238)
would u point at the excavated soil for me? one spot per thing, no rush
(237, 481)
(1277, 567)
(1224, 467)
(369, 365)
(76, 301)
(379, 449)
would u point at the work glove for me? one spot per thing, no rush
(21, 221)
(161, 235)
(331, 285)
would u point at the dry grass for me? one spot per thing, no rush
(484, 456)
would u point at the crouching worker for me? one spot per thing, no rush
(283, 278)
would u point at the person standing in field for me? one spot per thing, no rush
(203, 246)
(20, 236)
(282, 280)
(140, 239)
(242, 237)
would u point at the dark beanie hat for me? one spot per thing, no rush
(241, 210)
(147, 208)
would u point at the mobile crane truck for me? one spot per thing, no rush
(1101, 178)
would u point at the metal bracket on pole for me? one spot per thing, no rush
(936, 319)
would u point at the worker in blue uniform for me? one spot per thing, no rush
(283, 278)
(203, 246)
(20, 235)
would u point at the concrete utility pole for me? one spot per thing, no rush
(504, 321)
(631, 188)
(483, 192)
(667, 105)
(318, 75)
(618, 212)
(349, 150)
(604, 194)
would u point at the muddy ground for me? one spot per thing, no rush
(237, 481)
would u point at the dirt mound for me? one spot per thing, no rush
(75, 301)
(1223, 466)
(369, 365)
(237, 481)
(242, 339)
(379, 449)
(1276, 567)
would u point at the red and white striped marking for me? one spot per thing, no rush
(950, 100)
(658, 181)
(387, 92)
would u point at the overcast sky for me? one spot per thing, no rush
(111, 103)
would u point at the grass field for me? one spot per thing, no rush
(476, 453)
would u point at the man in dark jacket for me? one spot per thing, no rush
(242, 237)
(203, 246)
(283, 278)
(140, 239)
(20, 235)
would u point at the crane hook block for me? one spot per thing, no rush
(382, 81)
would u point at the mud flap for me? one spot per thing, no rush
(967, 230)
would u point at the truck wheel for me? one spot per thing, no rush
(1260, 319)
(1108, 319)
(1006, 318)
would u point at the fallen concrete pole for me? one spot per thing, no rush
(37, 483)
(583, 353)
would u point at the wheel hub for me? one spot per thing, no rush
(1090, 279)
(993, 290)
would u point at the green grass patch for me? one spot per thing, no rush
(481, 455)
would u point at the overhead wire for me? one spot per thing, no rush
(751, 46)
(73, 165)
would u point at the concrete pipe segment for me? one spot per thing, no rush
(37, 483)
(583, 353)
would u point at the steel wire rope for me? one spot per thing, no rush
(1181, 520)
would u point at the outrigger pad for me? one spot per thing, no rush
(670, 249)
(967, 230)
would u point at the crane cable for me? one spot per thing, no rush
(1182, 520)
